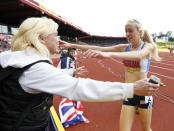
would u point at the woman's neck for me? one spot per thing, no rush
(135, 45)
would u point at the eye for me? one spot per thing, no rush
(131, 31)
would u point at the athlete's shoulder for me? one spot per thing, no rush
(149, 45)
(121, 47)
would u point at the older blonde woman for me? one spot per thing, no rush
(136, 57)
(28, 79)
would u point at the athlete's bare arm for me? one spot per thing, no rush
(140, 54)
(115, 48)
(132, 55)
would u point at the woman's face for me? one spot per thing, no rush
(51, 41)
(132, 33)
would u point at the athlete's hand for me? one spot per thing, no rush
(144, 88)
(96, 54)
(64, 44)
(81, 71)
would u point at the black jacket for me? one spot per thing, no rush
(19, 110)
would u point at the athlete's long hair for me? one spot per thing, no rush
(146, 38)
(29, 32)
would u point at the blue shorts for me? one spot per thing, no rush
(145, 102)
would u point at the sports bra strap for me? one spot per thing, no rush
(130, 44)
(141, 46)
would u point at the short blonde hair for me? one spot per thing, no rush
(29, 32)
(146, 38)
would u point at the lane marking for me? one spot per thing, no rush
(162, 68)
(161, 63)
(162, 75)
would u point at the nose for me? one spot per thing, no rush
(127, 34)
(58, 39)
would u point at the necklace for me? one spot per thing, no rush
(135, 47)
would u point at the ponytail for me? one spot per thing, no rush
(147, 38)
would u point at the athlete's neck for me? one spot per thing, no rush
(135, 45)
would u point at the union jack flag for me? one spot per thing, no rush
(71, 112)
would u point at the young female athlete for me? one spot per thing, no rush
(136, 58)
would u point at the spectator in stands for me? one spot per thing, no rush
(136, 57)
(28, 79)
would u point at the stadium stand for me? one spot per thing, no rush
(13, 12)
(103, 40)
(5, 41)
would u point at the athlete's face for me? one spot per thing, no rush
(132, 32)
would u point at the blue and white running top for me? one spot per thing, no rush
(137, 65)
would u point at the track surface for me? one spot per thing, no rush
(104, 116)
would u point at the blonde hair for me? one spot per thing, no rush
(146, 38)
(29, 32)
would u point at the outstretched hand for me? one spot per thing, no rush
(96, 54)
(64, 44)
(144, 88)
(81, 71)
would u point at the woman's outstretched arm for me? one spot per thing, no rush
(115, 48)
(146, 51)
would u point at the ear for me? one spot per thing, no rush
(140, 33)
(41, 39)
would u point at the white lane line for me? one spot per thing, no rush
(162, 63)
(162, 68)
(116, 61)
(162, 75)
(171, 63)
(168, 60)
(167, 57)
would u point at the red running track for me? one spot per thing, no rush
(104, 116)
